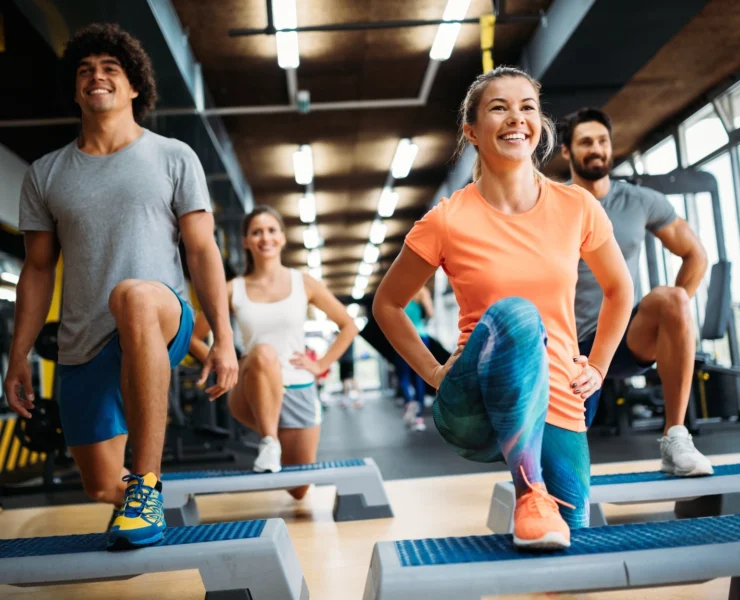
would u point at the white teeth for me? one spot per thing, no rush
(97, 92)
(514, 136)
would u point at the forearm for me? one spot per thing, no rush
(403, 336)
(199, 350)
(33, 299)
(341, 343)
(613, 320)
(209, 281)
(692, 272)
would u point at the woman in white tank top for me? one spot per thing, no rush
(276, 392)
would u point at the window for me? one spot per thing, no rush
(623, 169)
(702, 134)
(661, 158)
(721, 168)
(729, 106)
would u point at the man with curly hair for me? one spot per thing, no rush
(116, 202)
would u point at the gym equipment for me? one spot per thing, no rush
(360, 490)
(242, 560)
(601, 558)
(638, 488)
(46, 344)
(43, 431)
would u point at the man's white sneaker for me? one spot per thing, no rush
(680, 456)
(269, 455)
(418, 425)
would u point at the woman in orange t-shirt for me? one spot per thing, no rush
(510, 243)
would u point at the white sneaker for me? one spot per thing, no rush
(269, 455)
(409, 415)
(419, 425)
(680, 456)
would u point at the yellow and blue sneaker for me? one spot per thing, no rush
(140, 521)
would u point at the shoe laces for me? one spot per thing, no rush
(683, 443)
(138, 499)
(541, 498)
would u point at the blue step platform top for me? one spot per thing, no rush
(588, 541)
(95, 542)
(332, 464)
(649, 476)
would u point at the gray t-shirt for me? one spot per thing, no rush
(632, 210)
(116, 218)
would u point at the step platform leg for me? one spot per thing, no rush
(183, 516)
(362, 496)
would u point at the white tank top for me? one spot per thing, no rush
(279, 324)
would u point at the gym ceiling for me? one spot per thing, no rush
(647, 63)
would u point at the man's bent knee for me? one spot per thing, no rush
(131, 298)
(675, 309)
(263, 356)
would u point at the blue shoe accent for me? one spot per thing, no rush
(140, 522)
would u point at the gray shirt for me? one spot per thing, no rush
(116, 217)
(632, 210)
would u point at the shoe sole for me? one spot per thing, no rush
(697, 472)
(122, 543)
(261, 470)
(550, 541)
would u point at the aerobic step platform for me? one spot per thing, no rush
(360, 490)
(639, 488)
(246, 560)
(602, 558)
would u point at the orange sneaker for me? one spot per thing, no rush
(537, 521)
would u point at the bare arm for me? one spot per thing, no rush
(401, 283)
(425, 299)
(323, 299)
(680, 240)
(610, 270)
(198, 348)
(207, 272)
(209, 280)
(33, 299)
(35, 290)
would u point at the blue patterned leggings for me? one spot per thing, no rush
(492, 404)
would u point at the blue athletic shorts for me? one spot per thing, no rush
(90, 399)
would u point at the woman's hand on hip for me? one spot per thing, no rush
(590, 380)
(440, 371)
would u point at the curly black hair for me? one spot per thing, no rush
(109, 38)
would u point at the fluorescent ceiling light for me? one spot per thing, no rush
(365, 269)
(311, 238)
(361, 282)
(455, 10)
(287, 49)
(387, 203)
(307, 208)
(10, 278)
(371, 254)
(358, 294)
(404, 158)
(314, 259)
(444, 42)
(315, 273)
(353, 310)
(303, 165)
(377, 232)
(285, 17)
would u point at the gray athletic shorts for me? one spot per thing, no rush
(301, 408)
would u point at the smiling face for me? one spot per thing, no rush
(590, 152)
(264, 239)
(508, 121)
(102, 86)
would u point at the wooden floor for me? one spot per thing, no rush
(335, 557)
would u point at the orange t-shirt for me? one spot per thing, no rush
(489, 255)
